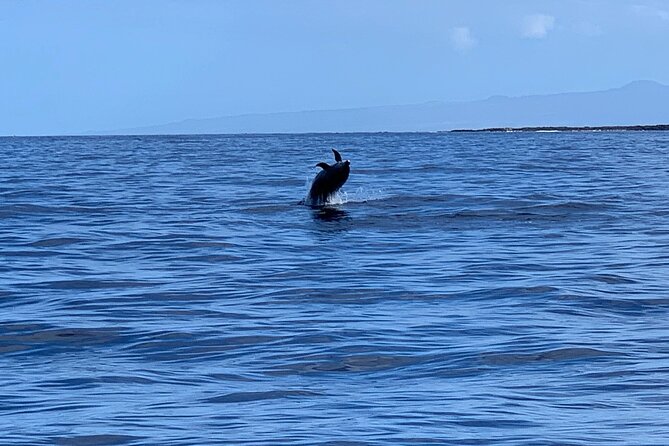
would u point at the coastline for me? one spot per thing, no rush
(605, 128)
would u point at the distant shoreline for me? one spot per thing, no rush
(546, 129)
(605, 128)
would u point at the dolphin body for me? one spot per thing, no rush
(329, 180)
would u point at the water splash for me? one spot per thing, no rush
(359, 195)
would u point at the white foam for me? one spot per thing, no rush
(360, 195)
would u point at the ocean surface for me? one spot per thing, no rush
(463, 289)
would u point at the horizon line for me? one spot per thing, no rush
(524, 129)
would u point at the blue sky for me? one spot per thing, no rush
(70, 66)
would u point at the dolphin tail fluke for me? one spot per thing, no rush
(322, 165)
(337, 155)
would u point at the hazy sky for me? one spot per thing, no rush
(69, 66)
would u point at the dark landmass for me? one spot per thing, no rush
(605, 128)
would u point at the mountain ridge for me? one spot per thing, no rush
(639, 102)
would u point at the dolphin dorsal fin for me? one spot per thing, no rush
(337, 155)
(322, 165)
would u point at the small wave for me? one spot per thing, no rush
(23, 209)
(96, 440)
(557, 355)
(612, 279)
(55, 241)
(244, 397)
(32, 337)
(567, 206)
(364, 363)
(92, 284)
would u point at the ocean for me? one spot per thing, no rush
(462, 289)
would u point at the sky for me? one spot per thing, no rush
(72, 66)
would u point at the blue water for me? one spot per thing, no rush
(467, 289)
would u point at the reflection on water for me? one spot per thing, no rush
(328, 213)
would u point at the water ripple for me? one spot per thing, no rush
(462, 289)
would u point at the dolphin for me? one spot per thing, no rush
(329, 180)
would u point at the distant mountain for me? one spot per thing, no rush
(638, 103)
